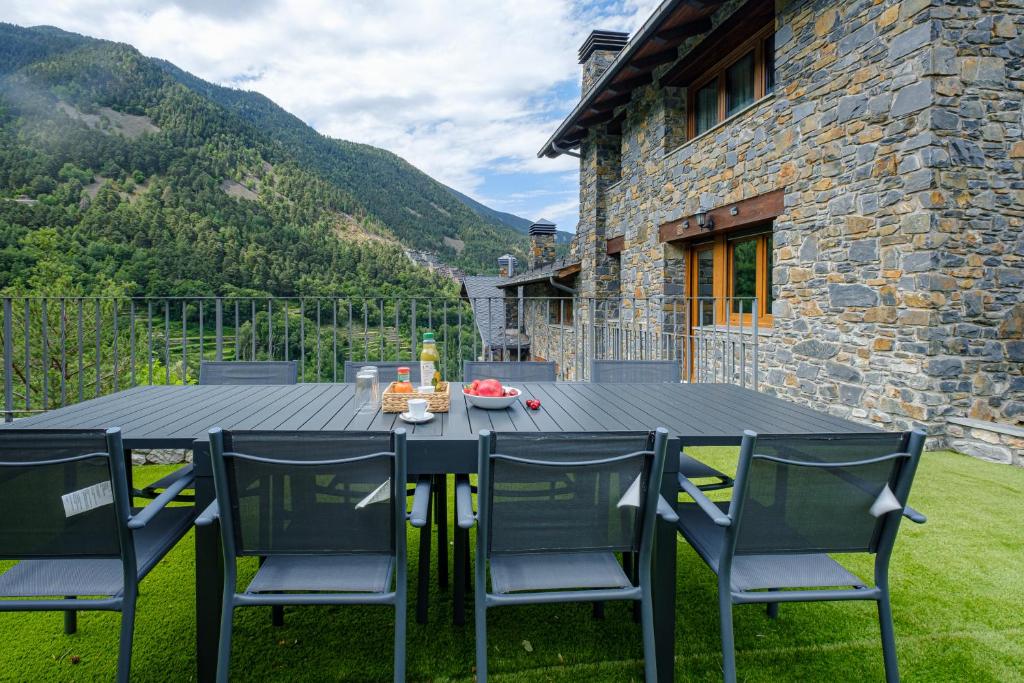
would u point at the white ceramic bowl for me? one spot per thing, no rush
(493, 402)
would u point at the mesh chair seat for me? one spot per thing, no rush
(348, 573)
(509, 371)
(248, 372)
(511, 572)
(752, 572)
(83, 576)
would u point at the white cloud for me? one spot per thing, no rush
(460, 88)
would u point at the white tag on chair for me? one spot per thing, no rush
(885, 503)
(379, 495)
(631, 498)
(89, 498)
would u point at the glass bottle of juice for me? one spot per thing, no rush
(403, 385)
(430, 361)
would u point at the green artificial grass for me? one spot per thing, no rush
(958, 601)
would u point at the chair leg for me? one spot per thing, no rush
(423, 572)
(481, 638)
(441, 513)
(277, 615)
(598, 611)
(224, 643)
(728, 644)
(892, 670)
(459, 580)
(647, 625)
(70, 618)
(400, 618)
(124, 654)
(773, 608)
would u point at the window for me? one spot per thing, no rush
(743, 77)
(728, 274)
(560, 311)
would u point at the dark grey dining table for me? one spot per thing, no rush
(180, 417)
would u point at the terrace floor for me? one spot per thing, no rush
(958, 601)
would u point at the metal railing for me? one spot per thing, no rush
(59, 351)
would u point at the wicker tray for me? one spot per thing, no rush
(437, 402)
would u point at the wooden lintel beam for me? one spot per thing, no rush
(741, 214)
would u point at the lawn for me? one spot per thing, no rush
(958, 600)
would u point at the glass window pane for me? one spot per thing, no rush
(744, 274)
(769, 64)
(768, 276)
(739, 85)
(705, 106)
(705, 287)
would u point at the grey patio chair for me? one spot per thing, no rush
(317, 508)
(509, 371)
(797, 501)
(640, 371)
(66, 516)
(249, 372)
(387, 370)
(553, 511)
(657, 372)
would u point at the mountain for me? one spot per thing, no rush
(132, 171)
(509, 220)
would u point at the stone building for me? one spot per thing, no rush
(853, 170)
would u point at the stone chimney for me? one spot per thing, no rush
(542, 243)
(597, 53)
(507, 265)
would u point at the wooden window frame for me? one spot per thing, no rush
(755, 44)
(555, 309)
(722, 277)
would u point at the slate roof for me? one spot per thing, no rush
(538, 274)
(488, 302)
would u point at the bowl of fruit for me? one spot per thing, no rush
(490, 394)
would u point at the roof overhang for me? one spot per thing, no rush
(656, 43)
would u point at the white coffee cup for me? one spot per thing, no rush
(417, 408)
(427, 389)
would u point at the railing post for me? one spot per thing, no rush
(8, 364)
(753, 317)
(218, 315)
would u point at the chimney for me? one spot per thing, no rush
(542, 243)
(597, 53)
(506, 265)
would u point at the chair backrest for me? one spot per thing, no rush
(387, 370)
(814, 493)
(509, 371)
(568, 492)
(310, 492)
(63, 493)
(646, 371)
(249, 372)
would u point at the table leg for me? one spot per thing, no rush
(441, 511)
(209, 571)
(664, 588)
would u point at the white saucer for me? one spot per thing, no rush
(406, 417)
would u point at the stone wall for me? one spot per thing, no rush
(895, 132)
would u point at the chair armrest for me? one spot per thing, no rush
(208, 516)
(174, 476)
(420, 503)
(464, 503)
(913, 515)
(160, 502)
(666, 512)
(709, 508)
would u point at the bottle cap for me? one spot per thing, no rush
(428, 336)
(402, 369)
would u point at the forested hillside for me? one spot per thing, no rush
(123, 174)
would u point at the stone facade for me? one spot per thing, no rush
(895, 132)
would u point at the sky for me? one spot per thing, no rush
(466, 90)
